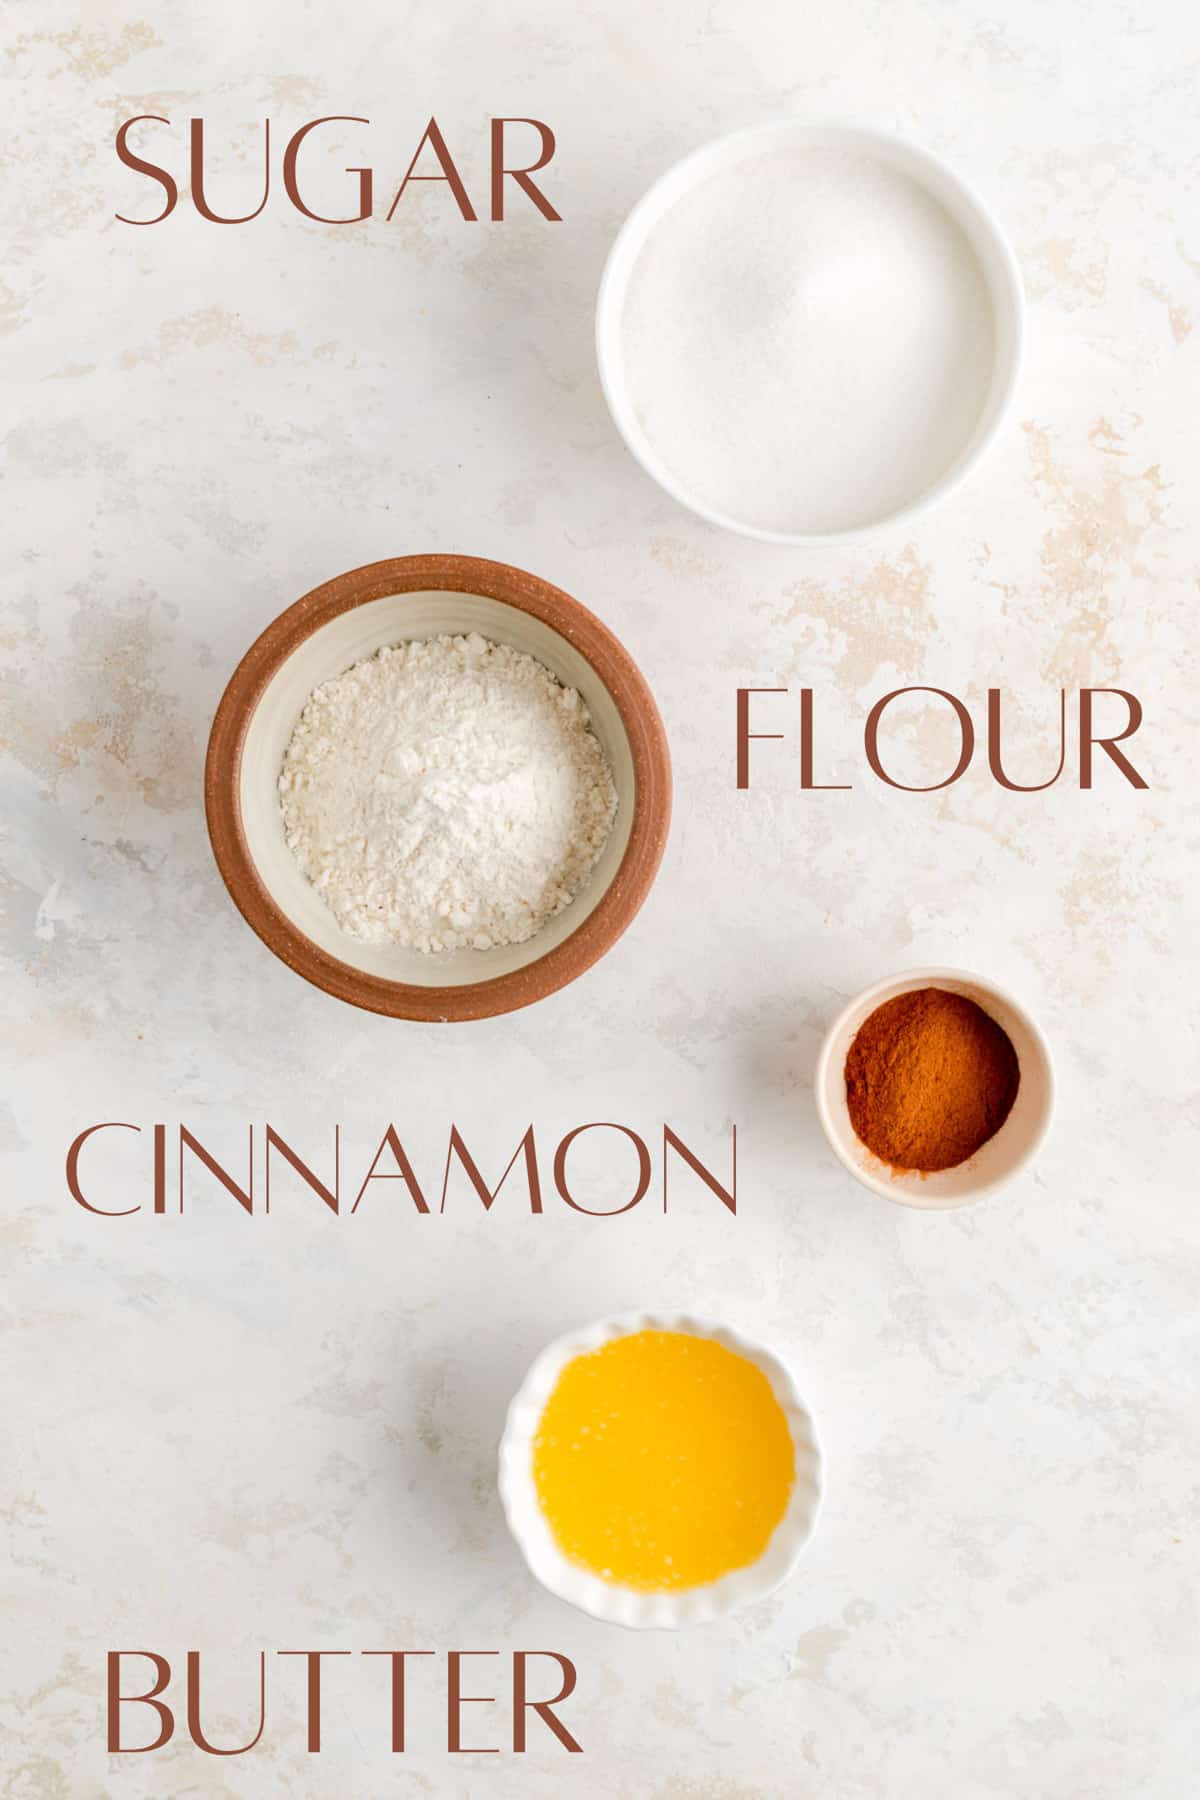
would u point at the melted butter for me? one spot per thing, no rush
(663, 1461)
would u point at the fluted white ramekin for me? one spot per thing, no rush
(631, 1606)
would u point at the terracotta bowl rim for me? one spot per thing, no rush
(611, 662)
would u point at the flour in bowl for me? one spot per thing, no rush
(445, 794)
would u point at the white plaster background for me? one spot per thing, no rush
(233, 1434)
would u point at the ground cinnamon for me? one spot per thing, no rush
(929, 1078)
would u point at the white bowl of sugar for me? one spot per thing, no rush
(809, 331)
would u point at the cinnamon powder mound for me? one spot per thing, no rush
(930, 1077)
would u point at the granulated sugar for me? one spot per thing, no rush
(807, 341)
(446, 793)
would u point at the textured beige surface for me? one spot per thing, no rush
(231, 1434)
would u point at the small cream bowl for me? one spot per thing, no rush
(633, 1607)
(998, 1160)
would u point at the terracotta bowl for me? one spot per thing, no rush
(339, 624)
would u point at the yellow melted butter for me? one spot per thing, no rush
(663, 1460)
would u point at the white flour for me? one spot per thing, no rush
(446, 793)
(807, 340)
